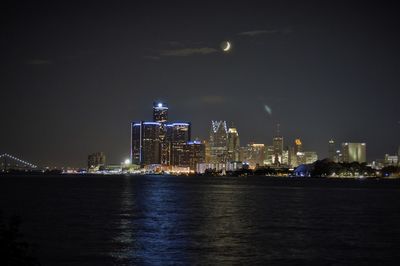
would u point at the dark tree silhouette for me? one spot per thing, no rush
(13, 250)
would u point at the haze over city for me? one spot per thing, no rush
(74, 76)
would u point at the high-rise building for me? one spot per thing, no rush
(298, 146)
(96, 160)
(292, 157)
(177, 135)
(332, 150)
(298, 149)
(285, 157)
(233, 144)
(208, 151)
(277, 142)
(146, 143)
(354, 152)
(193, 153)
(160, 112)
(253, 154)
(269, 155)
(310, 157)
(218, 142)
(158, 142)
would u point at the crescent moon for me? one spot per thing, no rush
(228, 46)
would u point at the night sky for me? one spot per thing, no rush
(74, 75)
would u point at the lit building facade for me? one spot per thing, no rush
(253, 154)
(96, 160)
(269, 155)
(354, 152)
(277, 143)
(218, 142)
(158, 142)
(160, 112)
(310, 157)
(176, 137)
(146, 143)
(332, 151)
(391, 160)
(298, 150)
(194, 153)
(233, 144)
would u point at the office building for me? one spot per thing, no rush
(332, 151)
(193, 153)
(218, 142)
(285, 157)
(277, 143)
(354, 152)
(269, 155)
(160, 112)
(298, 149)
(146, 143)
(158, 142)
(96, 160)
(177, 135)
(253, 154)
(292, 157)
(233, 144)
(310, 157)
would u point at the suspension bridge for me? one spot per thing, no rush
(10, 162)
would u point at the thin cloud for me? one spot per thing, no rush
(257, 32)
(254, 33)
(39, 62)
(188, 51)
(151, 57)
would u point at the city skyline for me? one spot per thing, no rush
(75, 77)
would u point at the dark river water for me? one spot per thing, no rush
(159, 220)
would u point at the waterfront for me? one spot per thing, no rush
(119, 220)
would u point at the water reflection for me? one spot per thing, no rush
(149, 229)
(171, 220)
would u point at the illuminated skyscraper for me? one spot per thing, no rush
(158, 142)
(233, 144)
(160, 112)
(354, 152)
(193, 153)
(277, 142)
(218, 142)
(146, 143)
(298, 146)
(298, 150)
(253, 154)
(292, 157)
(269, 155)
(332, 150)
(177, 135)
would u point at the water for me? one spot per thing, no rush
(154, 220)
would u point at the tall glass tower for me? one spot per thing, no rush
(160, 112)
(218, 142)
(233, 144)
(331, 150)
(277, 143)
